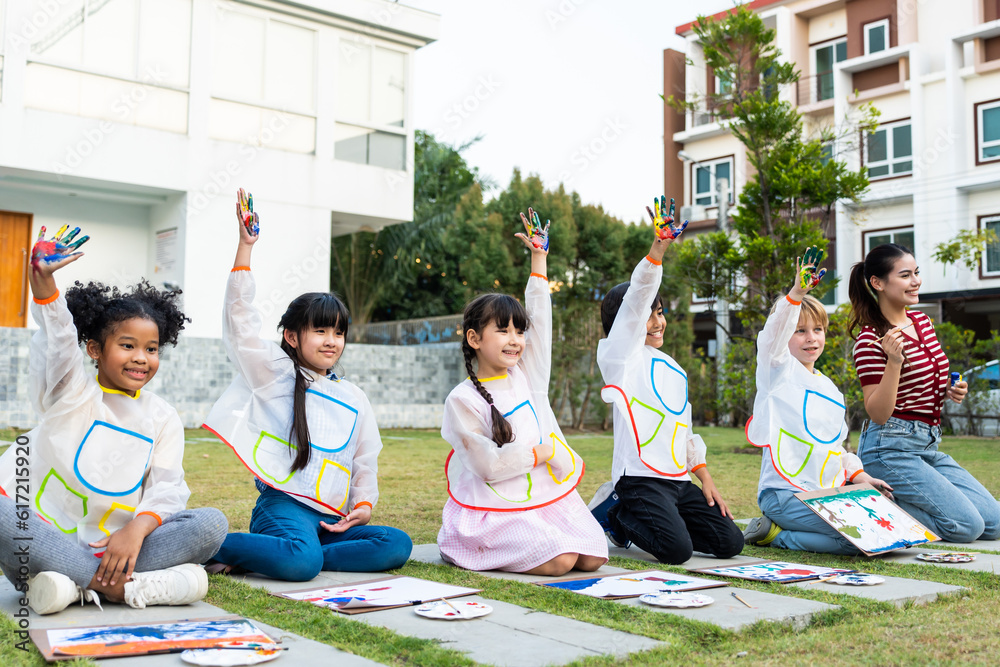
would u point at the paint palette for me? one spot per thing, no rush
(453, 610)
(681, 600)
(224, 657)
(947, 557)
(858, 579)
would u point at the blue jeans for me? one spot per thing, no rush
(929, 484)
(801, 530)
(286, 542)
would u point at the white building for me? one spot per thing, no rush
(138, 119)
(933, 71)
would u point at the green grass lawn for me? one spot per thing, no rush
(956, 630)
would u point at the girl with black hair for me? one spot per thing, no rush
(308, 436)
(905, 379)
(101, 474)
(512, 478)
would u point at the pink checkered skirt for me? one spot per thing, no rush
(519, 541)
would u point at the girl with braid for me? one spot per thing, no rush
(308, 436)
(512, 478)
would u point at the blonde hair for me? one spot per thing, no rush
(812, 310)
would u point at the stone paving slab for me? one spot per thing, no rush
(301, 650)
(983, 563)
(726, 612)
(896, 590)
(978, 545)
(511, 635)
(696, 561)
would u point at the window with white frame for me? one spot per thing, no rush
(371, 105)
(264, 95)
(902, 236)
(876, 36)
(889, 151)
(988, 136)
(705, 175)
(824, 57)
(723, 85)
(991, 255)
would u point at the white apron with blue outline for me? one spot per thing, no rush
(542, 486)
(659, 417)
(803, 429)
(258, 432)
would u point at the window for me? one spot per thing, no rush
(988, 131)
(830, 298)
(823, 60)
(706, 175)
(723, 86)
(876, 36)
(991, 255)
(371, 106)
(826, 153)
(902, 236)
(889, 151)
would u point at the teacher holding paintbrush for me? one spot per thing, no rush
(905, 379)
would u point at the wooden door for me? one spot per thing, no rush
(15, 248)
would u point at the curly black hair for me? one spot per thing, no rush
(98, 308)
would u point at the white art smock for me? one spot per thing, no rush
(254, 417)
(798, 416)
(99, 457)
(649, 392)
(506, 510)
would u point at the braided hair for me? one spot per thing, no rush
(309, 311)
(878, 263)
(97, 309)
(499, 309)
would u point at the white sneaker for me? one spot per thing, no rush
(50, 592)
(181, 584)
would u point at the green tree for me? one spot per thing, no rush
(794, 183)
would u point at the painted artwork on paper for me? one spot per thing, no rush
(868, 519)
(632, 584)
(105, 641)
(375, 594)
(775, 571)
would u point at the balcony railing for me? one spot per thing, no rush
(815, 88)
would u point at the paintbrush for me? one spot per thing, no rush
(832, 576)
(905, 326)
(447, 602)
(745, 603)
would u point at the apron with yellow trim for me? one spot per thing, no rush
(659, 416)
(258, 431)
(547, 482)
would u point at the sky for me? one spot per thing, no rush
(566, 89)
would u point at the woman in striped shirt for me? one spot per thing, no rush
(905, 379)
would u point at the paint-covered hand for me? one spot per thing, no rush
(663, 219)
(536, 237)
(244, 212)
(48, 255)
(359, 516)
(807, 275)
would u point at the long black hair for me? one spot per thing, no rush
(312, 310)
(499, 309)
(97, 309)
(613, 302)
(878, 263)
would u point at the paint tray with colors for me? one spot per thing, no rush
(775, 571)
(375, 594)
(866, 518)
(631, 584)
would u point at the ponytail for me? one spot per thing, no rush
(865, 310)
(299, 432)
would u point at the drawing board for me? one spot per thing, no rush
(375, 594)
(776, 571)
(631, 584)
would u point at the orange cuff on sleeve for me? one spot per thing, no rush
(240, 268)
(535, 454)
(154, 515)
(793, 301)
(363, 502)
(653, 261)
(700, 465)
(42, 302)
(855, 475)
(539, 275)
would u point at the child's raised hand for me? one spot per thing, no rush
(537, 237)
(249, 221)
(806, 275)
(49, 255)
(663, 221)
(359, 516)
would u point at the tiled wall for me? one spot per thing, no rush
(406, 385)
